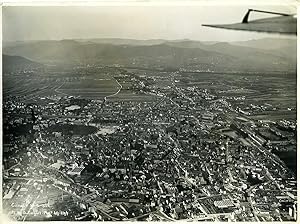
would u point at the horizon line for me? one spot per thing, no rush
(120, 38)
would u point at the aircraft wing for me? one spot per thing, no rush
(284, 24)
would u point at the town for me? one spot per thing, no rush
(178, 148)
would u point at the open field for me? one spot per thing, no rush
(90, 88)
(87, 83)
(130, 96)
(96, 84)
(279, 92)
(34, 86)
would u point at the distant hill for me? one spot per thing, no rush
(13, 63)
(283, 47)
(87, 52)
(187, 54)
(268, 43)
(119, 41)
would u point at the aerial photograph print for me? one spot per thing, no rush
(149, 112)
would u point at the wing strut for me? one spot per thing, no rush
(245, 19)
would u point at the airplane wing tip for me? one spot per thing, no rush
(283, 24)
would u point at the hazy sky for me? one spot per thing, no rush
(136, 22)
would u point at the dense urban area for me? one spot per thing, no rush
(179, 151)
(115, 142)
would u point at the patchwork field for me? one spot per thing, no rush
(125, 95)
(280, 92)
(93, 85)
(33, 86)
(90, 88)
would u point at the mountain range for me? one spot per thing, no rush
(13, 63)
(260, 55)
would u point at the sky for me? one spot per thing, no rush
(21, 23)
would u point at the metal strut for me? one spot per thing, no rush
(245, 19)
